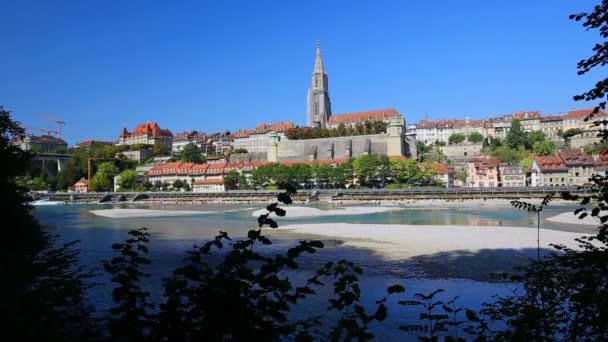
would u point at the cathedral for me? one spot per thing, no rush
(318, 104)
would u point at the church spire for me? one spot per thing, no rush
(318, 61)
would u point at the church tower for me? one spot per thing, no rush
(318, 108)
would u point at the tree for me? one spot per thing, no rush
(128, 179)
(544, 148)
(178, 184)
(42, 287)
(191, 154)
(536, 136)
(104, 177)
(508, 155)
(365, 168)
(568, 134)
(456, 138)
(231, 180)
(475, 138)
(516, 136)
(159, 149)
(406, 171)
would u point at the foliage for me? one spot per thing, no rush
(240, 150)
(191, 154)
(508, 155)
(421, 147)
(456, 138)
(371, 169)
(129, 318)
(128, 179)
(177, 184)
(42, 287)
(462, 176)
(104, 177)
(303, 133)
(544, 148)
(231, 180)
(475, 138)
(536, 136)
(159, 149)
(517, 136)
(526, 163)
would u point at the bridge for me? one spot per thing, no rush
(60, 158)
(344, 195)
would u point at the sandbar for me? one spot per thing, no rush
(570, 218)
(398, 242)
(128, 213)
(299, 212)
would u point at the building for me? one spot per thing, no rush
(139, 155)
(89, 143)
(318, 109)
(208, 185)
(40, 144)
(444, 173)
(184, 138)
(551, 126)
(512, 176)
(391, 143)
(572, 167)
(257, 140)
(483, 172)
(82, 185)
(548, 171)
(148, 133)
(359, 118)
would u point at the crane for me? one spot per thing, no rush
(48, 131)
(58, 121)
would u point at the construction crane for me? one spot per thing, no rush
(48, 131)
(58, 121)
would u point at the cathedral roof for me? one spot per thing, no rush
(373, 115)
(318, 61)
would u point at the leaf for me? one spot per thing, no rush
(381, 313)
(472, 316)
(395, 289)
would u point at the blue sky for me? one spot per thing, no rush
(225, 65)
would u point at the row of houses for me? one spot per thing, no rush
(567, 168)
(431, 131)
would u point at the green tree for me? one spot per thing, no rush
(104, 177)
(365, 168)
(128, 180)
(159, 149)
(544, 148)
(508, 155)
(568, 134)
(456, 138)
(178, 184)
(475, 138)
(526, 162)
(42, 287)
(191, 154)
(405, 171)
(516, 136)
(231, 180)
(536, 136)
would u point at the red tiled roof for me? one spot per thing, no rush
(551, 163)
(209, 181)
(47, 138)
(150, 128)
(380, 114)
(442, 169)
(576, 157)
(582, 113)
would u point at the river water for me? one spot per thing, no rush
(461, 275)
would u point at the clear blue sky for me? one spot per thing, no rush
(217, 65)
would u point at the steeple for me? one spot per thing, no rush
(318, 103)
(318, 61)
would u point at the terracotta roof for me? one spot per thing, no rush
(209, 181)
(551, 163)
(188, 135)
(264, 128)
(442, 169)
(576, 157)
(582, 113)
(380, 114)
(150, 128)
(82, 181)
(243, 133)
(88, 143)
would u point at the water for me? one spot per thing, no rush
(460, 275)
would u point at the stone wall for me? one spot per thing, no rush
(338, 147)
